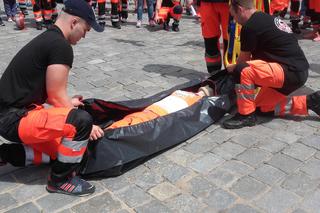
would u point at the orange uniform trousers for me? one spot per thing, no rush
(45, 131)
(269, 77)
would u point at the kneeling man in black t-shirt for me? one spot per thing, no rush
(270, 66)
(38, 74)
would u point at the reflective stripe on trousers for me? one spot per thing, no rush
(35, 157)
(71, 151)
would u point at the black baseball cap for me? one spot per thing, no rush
(83, 10)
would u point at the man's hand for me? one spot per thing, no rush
(96, 133)
(77, 100)
(231, 67)
(157, 19)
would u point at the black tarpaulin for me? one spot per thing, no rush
(125, 147)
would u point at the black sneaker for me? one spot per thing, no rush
(72, 186)
(48, 24)
(116, 25)
(166, 26)
(175, 27)
(306, 25)
(2, 162)
(188, 12)
(313, 102)
(239, 121)
(1, 22)
(39, 25)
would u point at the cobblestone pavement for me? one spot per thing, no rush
(272, 167)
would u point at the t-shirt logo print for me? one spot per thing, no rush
(281, 25)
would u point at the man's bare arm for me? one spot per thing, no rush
(56, 83)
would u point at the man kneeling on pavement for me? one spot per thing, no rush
(38, 74)
(271, 59)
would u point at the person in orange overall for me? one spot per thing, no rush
(314, 12)
(271, 59)
(280, 7)
(45, 12)
(214, 15)
(167, 9)
(59, 132)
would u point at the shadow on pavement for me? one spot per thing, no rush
(315, 68)
(175, 71)
(133, 42)
(33, 175)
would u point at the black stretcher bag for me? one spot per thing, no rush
(124, 148)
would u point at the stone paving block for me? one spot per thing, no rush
(153, 207)
(300, 183)
(235, 166)
(248, 188)
(276, 124)
(272, 145)
(268, 174)
(222, 178)
(185, 203)
(148, 179)
(300, 128)
(228, 150)
(219, 199)
(133, 196)
(312, 202)
(317, 155)
(277, 200)
(202, 145)
(25, 208)
(96, 61)
(181, 157)
(284, 163)
(7, 182)
(7, 200)
(164, 191)
(285, 136)
(30, 174)
(254, 156)
(299, 151)
(175, 172)
(55, 201)
(30, 191)
(222, 135)
(206, 163)
(101, 203)
(115, 183)
(311, 140)
(7, 169)
(246, 140)
(199, 187)
(299, 211)
(123, 211)
(240, 208)
(312, 168)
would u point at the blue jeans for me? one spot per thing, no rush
(10, 7)
(140, 9)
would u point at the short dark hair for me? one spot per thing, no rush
(243, 3)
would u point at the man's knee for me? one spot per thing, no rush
(82, 121)
(238, 70)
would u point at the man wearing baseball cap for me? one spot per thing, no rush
(38, 74)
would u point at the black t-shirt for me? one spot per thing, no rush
(167, 3)
(270, 39)
(24, 81)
